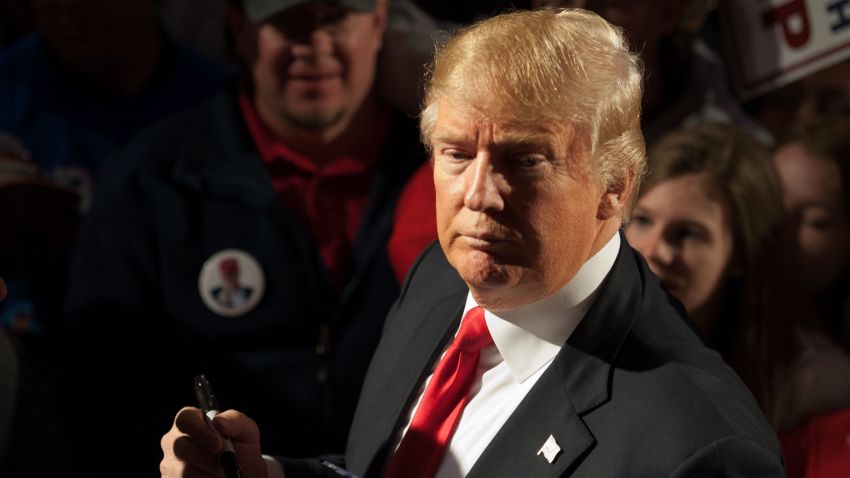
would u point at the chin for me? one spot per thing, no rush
(481, 270)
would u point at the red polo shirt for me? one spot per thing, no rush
(330, 199)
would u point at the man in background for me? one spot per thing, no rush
(291, 178)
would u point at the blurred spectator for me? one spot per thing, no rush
(415, 225)
(15, 20)
(824, 93)
(281, 191)
(408, 49)
(708, 222)
(38, 221)
(8, 386)
(686, 82)
(95, 73)
(200, 24)
(813, 161)
(468, 11)
(819, 448)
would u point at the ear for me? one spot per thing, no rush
(379, 18)
(616, 195)
(243, 32)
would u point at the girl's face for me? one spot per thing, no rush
(813, 203)
(684, 233)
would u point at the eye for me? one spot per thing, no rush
(691, 233)
(640, 220)
(528, 162)
(457, 154)
(817, 219)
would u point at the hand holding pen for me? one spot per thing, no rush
(209, 406)
(196, 444)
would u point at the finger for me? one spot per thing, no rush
(245, 437)
(174, 469)
(196, 472)
(191, 422)
(237, 426)
(187, 451)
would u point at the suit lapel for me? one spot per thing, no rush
(546, 411)
(420, 349)
(575, 383)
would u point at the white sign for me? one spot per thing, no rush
(776, 42)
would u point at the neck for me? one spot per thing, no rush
(707, 316)
(346, 137)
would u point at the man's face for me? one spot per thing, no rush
(516, 204)
(314, 64)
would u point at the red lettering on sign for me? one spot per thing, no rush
(794, 19)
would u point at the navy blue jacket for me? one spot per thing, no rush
(139, 331)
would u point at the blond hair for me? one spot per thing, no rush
(549, 66)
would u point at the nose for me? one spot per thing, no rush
(313, 43)
(654, 248)
(483, 186)
(660, 252)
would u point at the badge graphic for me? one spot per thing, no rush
(550, 449)
(231, 283)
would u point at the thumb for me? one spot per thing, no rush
(237, 426)
(244, 434)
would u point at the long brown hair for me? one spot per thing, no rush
(754, 332)
(828, 138)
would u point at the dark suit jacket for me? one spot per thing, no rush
(633, 392)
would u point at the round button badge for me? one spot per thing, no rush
(231, 283)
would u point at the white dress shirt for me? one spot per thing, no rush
(526, 339)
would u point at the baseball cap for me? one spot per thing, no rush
(259, 10)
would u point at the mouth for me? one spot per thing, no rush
(483, 240)
(314, 79)
(673, 286)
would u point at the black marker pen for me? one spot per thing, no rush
(209, 406)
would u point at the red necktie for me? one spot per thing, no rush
(421, 450)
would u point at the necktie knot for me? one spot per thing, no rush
(473, 334)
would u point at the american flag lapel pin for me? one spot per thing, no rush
(550, 449)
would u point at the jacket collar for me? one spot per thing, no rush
(576, 383)
(226, 164)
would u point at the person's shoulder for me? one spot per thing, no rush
(677, 383)
(819, 383)
(156, 149)
(17, 72)
(431, 275)
(200, 74)
(21, 52)
(687, 400)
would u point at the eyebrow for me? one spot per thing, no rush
(508, 139)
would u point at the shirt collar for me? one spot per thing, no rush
(272, 150)
(530, 336)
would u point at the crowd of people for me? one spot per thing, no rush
(260, 202)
